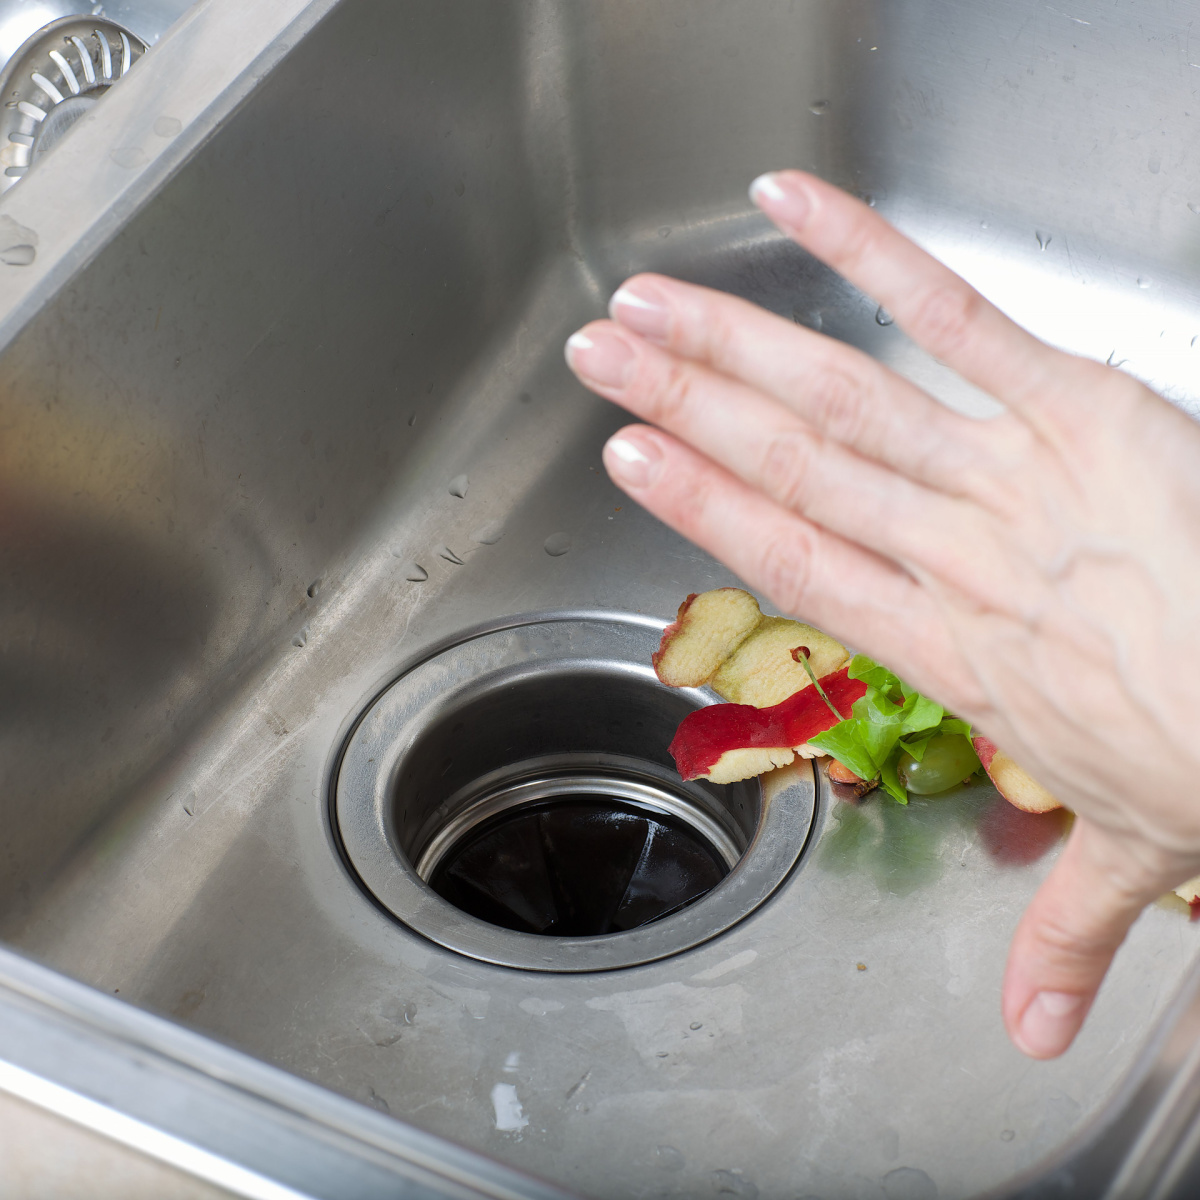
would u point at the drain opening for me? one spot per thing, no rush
(512, 798)
(586, 860)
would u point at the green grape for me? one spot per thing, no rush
(949, 758)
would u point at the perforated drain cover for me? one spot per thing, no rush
(53, 80)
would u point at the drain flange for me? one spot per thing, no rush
(512, 799)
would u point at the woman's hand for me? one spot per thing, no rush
(1037, 573)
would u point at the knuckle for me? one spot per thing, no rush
(860, 245)
(945, 317)
(674, 393)
(787, 567)
(838, 404)
(1068, 942)
(784, 468)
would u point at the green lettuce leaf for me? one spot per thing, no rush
(890, 720)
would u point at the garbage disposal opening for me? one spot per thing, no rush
(513, 798)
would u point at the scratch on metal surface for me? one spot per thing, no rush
(1060, 13)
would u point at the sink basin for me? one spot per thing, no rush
(285, 415)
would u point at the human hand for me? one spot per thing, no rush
(1036, 573)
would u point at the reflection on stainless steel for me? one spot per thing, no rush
(319, 325)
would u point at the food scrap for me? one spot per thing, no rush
(795, 691)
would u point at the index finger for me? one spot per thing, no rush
(937, 309)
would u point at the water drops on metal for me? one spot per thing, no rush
(557, 544)
(883, 317)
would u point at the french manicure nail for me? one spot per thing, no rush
(600, 357)
(788, 203)
(639, 311)
(767, 186)
(1049, 1023)
(633, 463)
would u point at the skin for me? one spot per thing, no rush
(1036, 573)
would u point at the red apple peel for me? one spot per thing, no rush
(716, 742)
(1016, 785)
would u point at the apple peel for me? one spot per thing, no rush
(764, 670)
(728, 742)
(1015, 784)
(708, 628)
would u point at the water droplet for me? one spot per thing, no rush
(909, 1183)
(167, 127)
(557, 544)
(17, 243)
(868, 198)
(301, 639)
(1043, 239)
(18, 256)
(313, 589)
(983, 224)
(670, 1159)
(128, 156)
(819, 108)
(883, 317)
(1195, 340)
(733, 1183)
(415, 573)
(412, 420)
(695, 1025)
(1194, 206)
(1144, 281)
(459, 485)
(809, 318)
(449, 555)
(1007, 1135)
(488, 535)
(664, 231)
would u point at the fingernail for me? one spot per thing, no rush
(640, 309)
(634, 463)
(600, 357)
(781, 199)
(1049, 1023)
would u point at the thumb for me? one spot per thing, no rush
(1068, 936)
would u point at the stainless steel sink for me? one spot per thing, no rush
(275, 382)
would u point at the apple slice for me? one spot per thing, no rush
(764, 671)
(1017, 786)
(708, 628)
(728, 742)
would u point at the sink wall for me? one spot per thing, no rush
(228, 439)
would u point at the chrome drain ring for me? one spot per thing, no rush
(529, 713)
